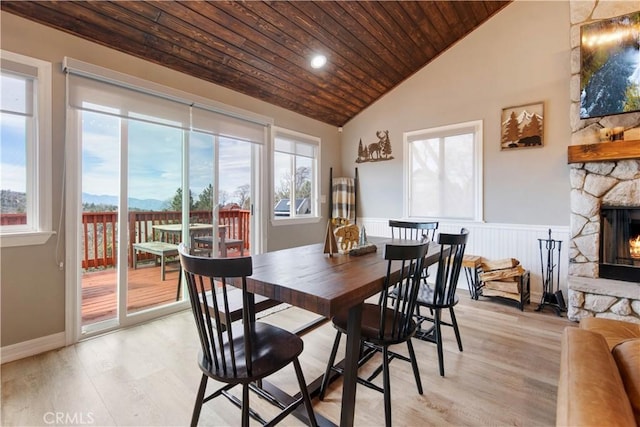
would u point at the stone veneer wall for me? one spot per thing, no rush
(615, 183)
(592, 186)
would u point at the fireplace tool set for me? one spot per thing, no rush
(550, 263)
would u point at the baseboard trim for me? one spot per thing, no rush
(32, 347)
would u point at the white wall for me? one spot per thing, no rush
(520, 56)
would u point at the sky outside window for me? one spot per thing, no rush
(155, 164)
(13, 139)
(154, 157)
(13, 152)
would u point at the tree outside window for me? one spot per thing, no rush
(295, 175)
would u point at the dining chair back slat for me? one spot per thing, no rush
(424, 231)
(413, 230)
(452, 247)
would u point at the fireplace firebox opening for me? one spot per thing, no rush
(620, 243)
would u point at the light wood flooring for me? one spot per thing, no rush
(147, 375)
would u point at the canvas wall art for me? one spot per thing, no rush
(609, 73)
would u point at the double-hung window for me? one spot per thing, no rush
(443, 172)
(295, 176)
(25, 150)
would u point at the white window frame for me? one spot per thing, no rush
(440, 132)
(302, 138)
(39, 189)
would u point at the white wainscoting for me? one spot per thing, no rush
(497, 241)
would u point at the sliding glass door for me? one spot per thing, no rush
(221, 168)
(131, 186)
(147, 172)
(100, 195)
(154, 199)
(132, 191)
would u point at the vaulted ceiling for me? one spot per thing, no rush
(263, 49)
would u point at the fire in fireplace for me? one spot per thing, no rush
(634, 247)
(620, 243)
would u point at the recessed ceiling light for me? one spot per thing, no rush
(318, 61)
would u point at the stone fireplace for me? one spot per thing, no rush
(594, 185)
(606, 182)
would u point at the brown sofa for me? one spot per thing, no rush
(599, 381)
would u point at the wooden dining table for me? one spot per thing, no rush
(307, 278)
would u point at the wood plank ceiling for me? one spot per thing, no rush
(263, 49)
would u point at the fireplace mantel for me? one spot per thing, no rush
(604, 151)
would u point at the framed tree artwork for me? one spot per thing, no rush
(522, 126)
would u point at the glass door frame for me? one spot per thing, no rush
(74, 331)
(73, 317)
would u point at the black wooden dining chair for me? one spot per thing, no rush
(237, 353)
(413, 230)
(389, 322)
(425, 231)
(442, 294)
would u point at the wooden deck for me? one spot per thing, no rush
(145, 290)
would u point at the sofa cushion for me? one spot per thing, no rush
(627, 357)
(614, 331)
(590, 390)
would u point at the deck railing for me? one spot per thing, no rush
(99, 237)
(13, 218)
(99, 230)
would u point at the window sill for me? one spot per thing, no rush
(26, 238)
(295, 221)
